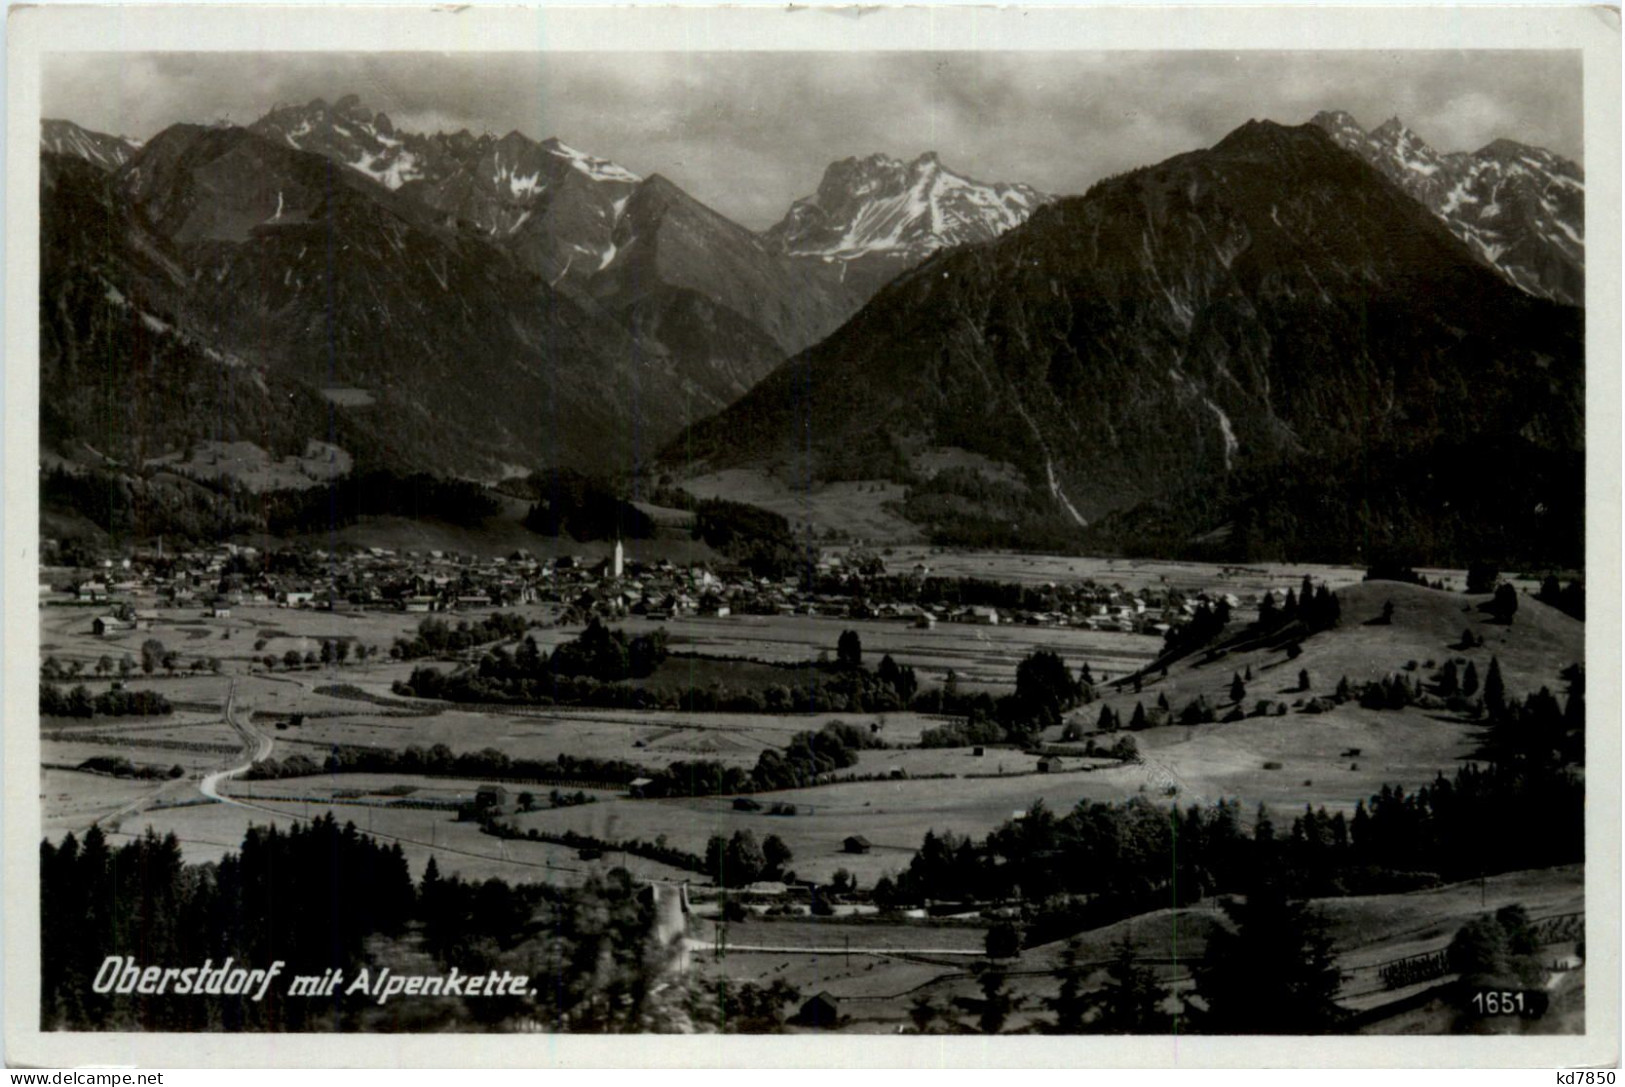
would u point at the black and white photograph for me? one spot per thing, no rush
(909, 541)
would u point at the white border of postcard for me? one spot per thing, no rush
(33, 32)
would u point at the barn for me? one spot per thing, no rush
(493, 799)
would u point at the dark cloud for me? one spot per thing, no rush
(749, 132)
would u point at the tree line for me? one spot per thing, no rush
(322, 896)
(1119, 859)
(79, 702)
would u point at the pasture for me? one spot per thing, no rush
(853, 510)
(654, 738)
(1332, 759)
(1203, 764)
(985, 655)
(1241, 579)
(1180, 764)
(208, 831)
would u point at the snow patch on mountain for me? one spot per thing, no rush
(1521, 209)
(596, 168)
(97, 148)
(882, 205)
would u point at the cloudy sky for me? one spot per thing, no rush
(749, 132)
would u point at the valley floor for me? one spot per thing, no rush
(1334, 760)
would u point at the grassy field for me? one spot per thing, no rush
(206, 832)
(978, 654)
(650, 738)
(852, 510)
(72, 801)
(1205, 764)
(1308, 755)
(1029, 568)
(1198, 764)
(252, 467)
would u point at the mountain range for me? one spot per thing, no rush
(1520, 209)
(480, 303)
(1223, 315)
(1143, 361)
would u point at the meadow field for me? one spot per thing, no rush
(1284, 760)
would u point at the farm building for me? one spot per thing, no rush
(857, 843)
(1049, 764)
(819, 1011)
(103, 625)
(493, 799)
(637, 785)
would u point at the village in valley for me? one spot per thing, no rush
(203, 691)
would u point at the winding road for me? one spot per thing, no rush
(256, 746)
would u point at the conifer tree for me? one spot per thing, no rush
(1449, 684)
(1072, 1003)
(1274, 974)
(1130, 1001)
(1108, 720)
(1495, 692)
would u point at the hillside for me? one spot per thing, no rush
(272, 269)
(1427, 626)
(686, 282)
(1270, 302)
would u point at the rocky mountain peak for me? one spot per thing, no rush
(97, 148)
(881, 208)
(1520, 209)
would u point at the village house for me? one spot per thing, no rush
(103, 625)
(493, 800)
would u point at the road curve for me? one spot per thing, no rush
(256, 746)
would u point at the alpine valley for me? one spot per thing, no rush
(1263, 348)
(1277, 345)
